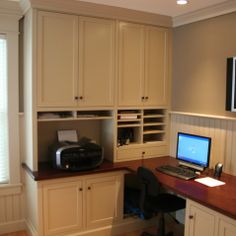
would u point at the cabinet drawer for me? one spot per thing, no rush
(129, 154)
(137, 153)
(156, 151)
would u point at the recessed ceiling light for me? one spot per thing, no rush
(182, 2)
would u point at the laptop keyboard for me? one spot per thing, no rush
(177, 171)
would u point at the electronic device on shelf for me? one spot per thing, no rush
(193, 154)
(77, 156)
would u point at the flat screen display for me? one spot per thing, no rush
(193, 149)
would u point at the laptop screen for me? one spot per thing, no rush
(193, 150)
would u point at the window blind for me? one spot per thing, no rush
(4, 156)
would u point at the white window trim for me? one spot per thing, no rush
(9, 26)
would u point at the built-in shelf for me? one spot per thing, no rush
(129, 120)
(153, 132)
(75, 115)
(153, 116)
(129, 125)
(154, 124)
(140, 126)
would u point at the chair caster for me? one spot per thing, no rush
(146, 234)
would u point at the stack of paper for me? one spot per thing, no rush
(210, 181)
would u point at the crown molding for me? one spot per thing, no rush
(10, 9)
(96, 10)
(206, 13)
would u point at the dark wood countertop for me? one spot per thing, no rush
(221, 198)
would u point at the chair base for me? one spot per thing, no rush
(148, 234)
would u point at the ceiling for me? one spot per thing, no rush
(164, 7)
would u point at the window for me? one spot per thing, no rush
(9, 99)
(4, 156)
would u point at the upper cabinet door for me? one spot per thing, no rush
(57, 54)
(156, 67)
(96, 62)
(131, 64)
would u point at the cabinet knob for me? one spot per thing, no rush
(146, 98)
(143, 98)
(190, 217)
(89, 188)
(81, 98)
(76, 97)
(80, 189)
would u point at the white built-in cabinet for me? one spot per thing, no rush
(85, 73)
(57, 59)
(96, 62)
(82, 203)
(141, 134)
(143, 65)
(62, 206)
(201, 221)
(75, 61)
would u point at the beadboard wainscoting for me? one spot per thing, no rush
(222, 130)
(12, 212)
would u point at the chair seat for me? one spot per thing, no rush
(166, 203)
(150, 200)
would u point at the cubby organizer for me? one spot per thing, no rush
(154, 122)
(140, 126)
(129, 123)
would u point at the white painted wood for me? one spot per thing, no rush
(227, 227)
(98, 10)
(201, 221)
(96, 62)
(131, 64)
(29, 149)
(31, 203)
(222, 131)
(11, 209)
(86, 211)
(156, 66)
(57, 59)
(104, 201)
(201, 115)
(62, 207)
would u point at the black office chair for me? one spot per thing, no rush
(152, 201)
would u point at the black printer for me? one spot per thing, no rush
(84, 155)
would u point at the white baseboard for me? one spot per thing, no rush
(31, 231)
(12, 226)
(125, 226)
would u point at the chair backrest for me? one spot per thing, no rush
(150, 188)
(149, 182)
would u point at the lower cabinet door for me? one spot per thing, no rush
(227, 227)
(62, 207)
(104, 202)
(199, 221)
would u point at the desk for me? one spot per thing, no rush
(210, 205)
(221, 199)
(203, 203)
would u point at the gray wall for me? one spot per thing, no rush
(199, 65)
